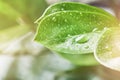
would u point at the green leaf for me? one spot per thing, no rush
(72, 6)
(108, 49)
(72, 32)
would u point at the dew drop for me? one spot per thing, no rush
(63, 5)
(69, 35)
(70, 14)
(54, 19)
(95, 29)
(106, 47)
(62, 9)
(66, 20)
(118, 24)
(80, 13)
(81, 39)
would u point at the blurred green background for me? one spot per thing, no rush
(23, 59)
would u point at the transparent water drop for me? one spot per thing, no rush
(81, 39)
(71, 29)
(94, 15)
(62, 9)
(80, 13)
(118, 24)
(69, 35)
(54, 19)
(70, 14)
(106, 46)
(63, 5)
(95, 29)
(66, 20)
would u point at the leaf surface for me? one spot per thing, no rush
(73, 30)
(73, 6)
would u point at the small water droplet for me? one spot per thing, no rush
(63, 5)
(94, 16)
(69, 35)
(79, 38)
(62, 9)
(106, 47)
(80, 13)
(95, 29)
(82, 39)
(66, 20)
(70, 14)
(77, 18)
(119, 24)
(54, 19)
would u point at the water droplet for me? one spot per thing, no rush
(63, 5)
(66, 20)
(94, 16)
(54, 19)
(69, 35)
(81, 39)
(80, 13)
(70, 14)
(62, 9)
(118, 24)
(106, 47)
(95, 29)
